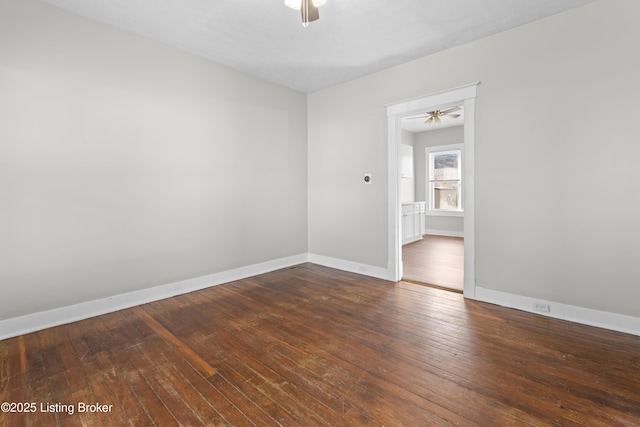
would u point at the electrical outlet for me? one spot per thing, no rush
(541, 306)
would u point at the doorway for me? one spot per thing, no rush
(432, 189)
(464, 96)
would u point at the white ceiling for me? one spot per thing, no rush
(353, 38)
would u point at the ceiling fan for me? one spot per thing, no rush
(434, 117)
(308, 9)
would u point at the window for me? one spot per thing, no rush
(444, 179)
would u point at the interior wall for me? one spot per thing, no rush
(125, 164)
(408, 183)
(446, 136)
(556, 143)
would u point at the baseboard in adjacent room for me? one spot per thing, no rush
(444, 233)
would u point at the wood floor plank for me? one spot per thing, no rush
(274, 381)
(211, 402)
(436, 260)
(361, 345)
(351, 339)
(18, 377)
(313, 346)
(189, 354)
(148, 399)
(5, 379)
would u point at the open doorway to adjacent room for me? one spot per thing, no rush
(443, 206)
(431, 194)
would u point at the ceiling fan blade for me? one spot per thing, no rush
(450, 110)
(454, 116)
(429, 121)
(309, 12)
(437, 120)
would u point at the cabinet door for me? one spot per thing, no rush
(408, 223)
(408, 226)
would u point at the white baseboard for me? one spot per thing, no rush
(352, 267)
(411, 240)
(587, 316)
(60, 316)
(444, 233)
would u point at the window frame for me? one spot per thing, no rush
(429, 153)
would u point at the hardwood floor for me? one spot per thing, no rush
(435, 260)
(314, 346)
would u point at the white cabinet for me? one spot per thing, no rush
(408, 223)
(413, 221)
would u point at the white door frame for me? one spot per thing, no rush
(465, 95)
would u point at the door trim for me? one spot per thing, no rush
(465, 95)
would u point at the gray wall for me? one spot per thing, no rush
(555, 131)
(452, 135)
(125, 164)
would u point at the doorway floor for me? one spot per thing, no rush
(435, 260)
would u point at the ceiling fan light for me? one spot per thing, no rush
(293, 4)
(297, 4)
